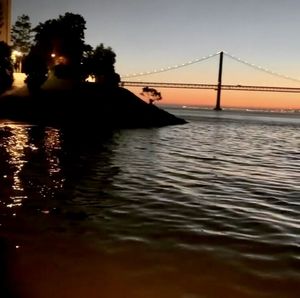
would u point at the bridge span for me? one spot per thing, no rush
(219, 86)
(210, 86)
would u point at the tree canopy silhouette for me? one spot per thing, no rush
(36, 67)
(62, 37)
(22, 35)
(59, 46)
(6, 67)
(151, 94)
(101, 65)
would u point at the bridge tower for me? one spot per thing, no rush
(218, 102)
(5, 20)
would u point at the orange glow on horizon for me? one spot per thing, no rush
(234, 73)
(237, 99)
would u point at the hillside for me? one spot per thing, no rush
(85, 104)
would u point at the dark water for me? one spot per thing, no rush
(206, 209)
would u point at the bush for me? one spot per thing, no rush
(6, 68)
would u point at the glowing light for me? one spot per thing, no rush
(15, 147)
(16, 57)
(52, 147)
(53, 55)
(17, 54)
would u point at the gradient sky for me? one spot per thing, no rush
(153, 34)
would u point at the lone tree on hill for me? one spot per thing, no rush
(151, 94)
(6, 67)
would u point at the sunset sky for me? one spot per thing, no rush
(148, 35)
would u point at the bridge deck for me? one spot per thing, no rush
(210, 86)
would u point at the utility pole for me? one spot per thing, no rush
(218, 103)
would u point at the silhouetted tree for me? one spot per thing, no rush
(101, 65)
(58, 45)
(22, 35)
(6, 67)
(63, 37)
(151, 94)
(86, 61)
(36, 68)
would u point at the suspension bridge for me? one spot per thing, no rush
(218, 87)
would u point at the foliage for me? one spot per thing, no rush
(6, 68)
(151, 94)
(59, 46)
(102, 60)
(63, 37)
(100, 64)
(55, 39)
(22, 35)
(35, 66)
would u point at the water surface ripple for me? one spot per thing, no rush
(222, 188)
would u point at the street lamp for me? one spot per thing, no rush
(17, 60)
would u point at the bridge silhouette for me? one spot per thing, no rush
(219, 86)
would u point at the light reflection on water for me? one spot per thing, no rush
(211, 208)
(15, 148)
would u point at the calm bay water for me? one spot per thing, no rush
(206, 209)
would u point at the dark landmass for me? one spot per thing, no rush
(87, 104)
(56, 65)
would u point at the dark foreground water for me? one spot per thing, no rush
(206, 209)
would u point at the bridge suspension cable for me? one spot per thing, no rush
(263, 69)
(233, 57)
(164, 69)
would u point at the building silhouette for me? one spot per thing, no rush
(5, 20)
